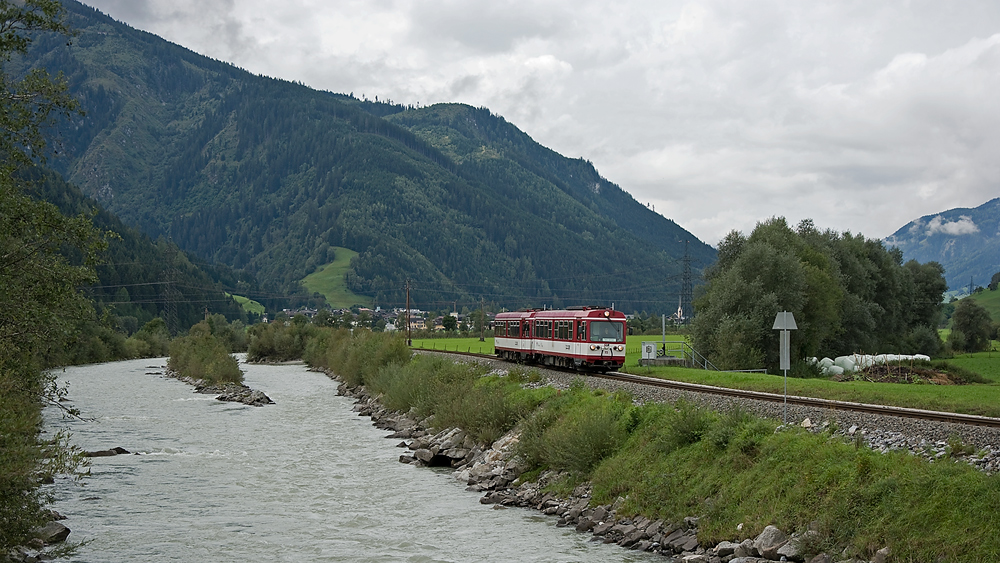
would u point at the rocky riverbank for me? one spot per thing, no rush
(494, 470)
(229, 392)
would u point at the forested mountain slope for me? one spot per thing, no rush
(268, 175)
(139, 279)
(965, 241)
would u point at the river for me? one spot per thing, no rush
(305, 479)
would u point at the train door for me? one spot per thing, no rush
(580, 339)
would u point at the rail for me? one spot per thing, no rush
(938, 416)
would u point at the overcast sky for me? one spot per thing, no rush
(860, 115)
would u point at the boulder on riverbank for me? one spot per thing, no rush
(229, 392)
(107, 453)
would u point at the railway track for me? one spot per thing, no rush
(921, 414)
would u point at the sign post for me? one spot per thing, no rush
(785, 322)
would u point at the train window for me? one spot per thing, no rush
(514, 331)
(501, 328)
(607, 331)
(581, 330)
(543, 329)
(562, 330)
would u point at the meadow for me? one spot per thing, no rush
(328, 281)
(979, 399)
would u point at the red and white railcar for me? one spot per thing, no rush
(578, 338)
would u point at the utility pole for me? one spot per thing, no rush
(409, 341)
(686, 286)
(482, 319)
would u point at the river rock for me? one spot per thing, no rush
(726, 548)
(767, 543)
(53, 532)
(107, 453)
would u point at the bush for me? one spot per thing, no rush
(200, 355)
(576, 429)
(278, 341)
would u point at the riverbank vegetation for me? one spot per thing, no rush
(206, 352)
(670, 461)
(42, 307)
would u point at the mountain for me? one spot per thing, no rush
(965, 241)
(269, 176)
(138, 278)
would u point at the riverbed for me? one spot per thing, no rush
(305, 479)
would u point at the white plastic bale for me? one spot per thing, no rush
(845, 362)
(825, 363)
(833, 370)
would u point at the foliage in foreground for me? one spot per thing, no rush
(202, 355)
(41, 305)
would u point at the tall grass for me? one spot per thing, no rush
(733, 469)
(450, 394)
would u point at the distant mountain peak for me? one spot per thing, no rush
(966, 241)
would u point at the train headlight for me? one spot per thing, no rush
(593, 347)
(620, 348)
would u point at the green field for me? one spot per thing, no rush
(470, 345)
(990, 300)
(980, 399)
(248, 304)
(328, 281)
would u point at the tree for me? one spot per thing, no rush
(848, 294)
(41, 305)
(972, 321)
(449, 323)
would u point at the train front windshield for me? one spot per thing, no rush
(607, 331)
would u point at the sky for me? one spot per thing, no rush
(719, 114)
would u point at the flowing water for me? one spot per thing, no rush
(305, 479)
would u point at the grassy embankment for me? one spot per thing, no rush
(989, 300)
(249, 305)
(328, 281)
(981, 398)
(672, 461)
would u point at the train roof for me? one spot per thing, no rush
(573, 313)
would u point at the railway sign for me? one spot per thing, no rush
(785, 322)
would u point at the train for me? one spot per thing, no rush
(580, 338)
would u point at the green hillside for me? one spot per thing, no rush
(990, 300)
(139, 278)
(329, 281)
(270, 176)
